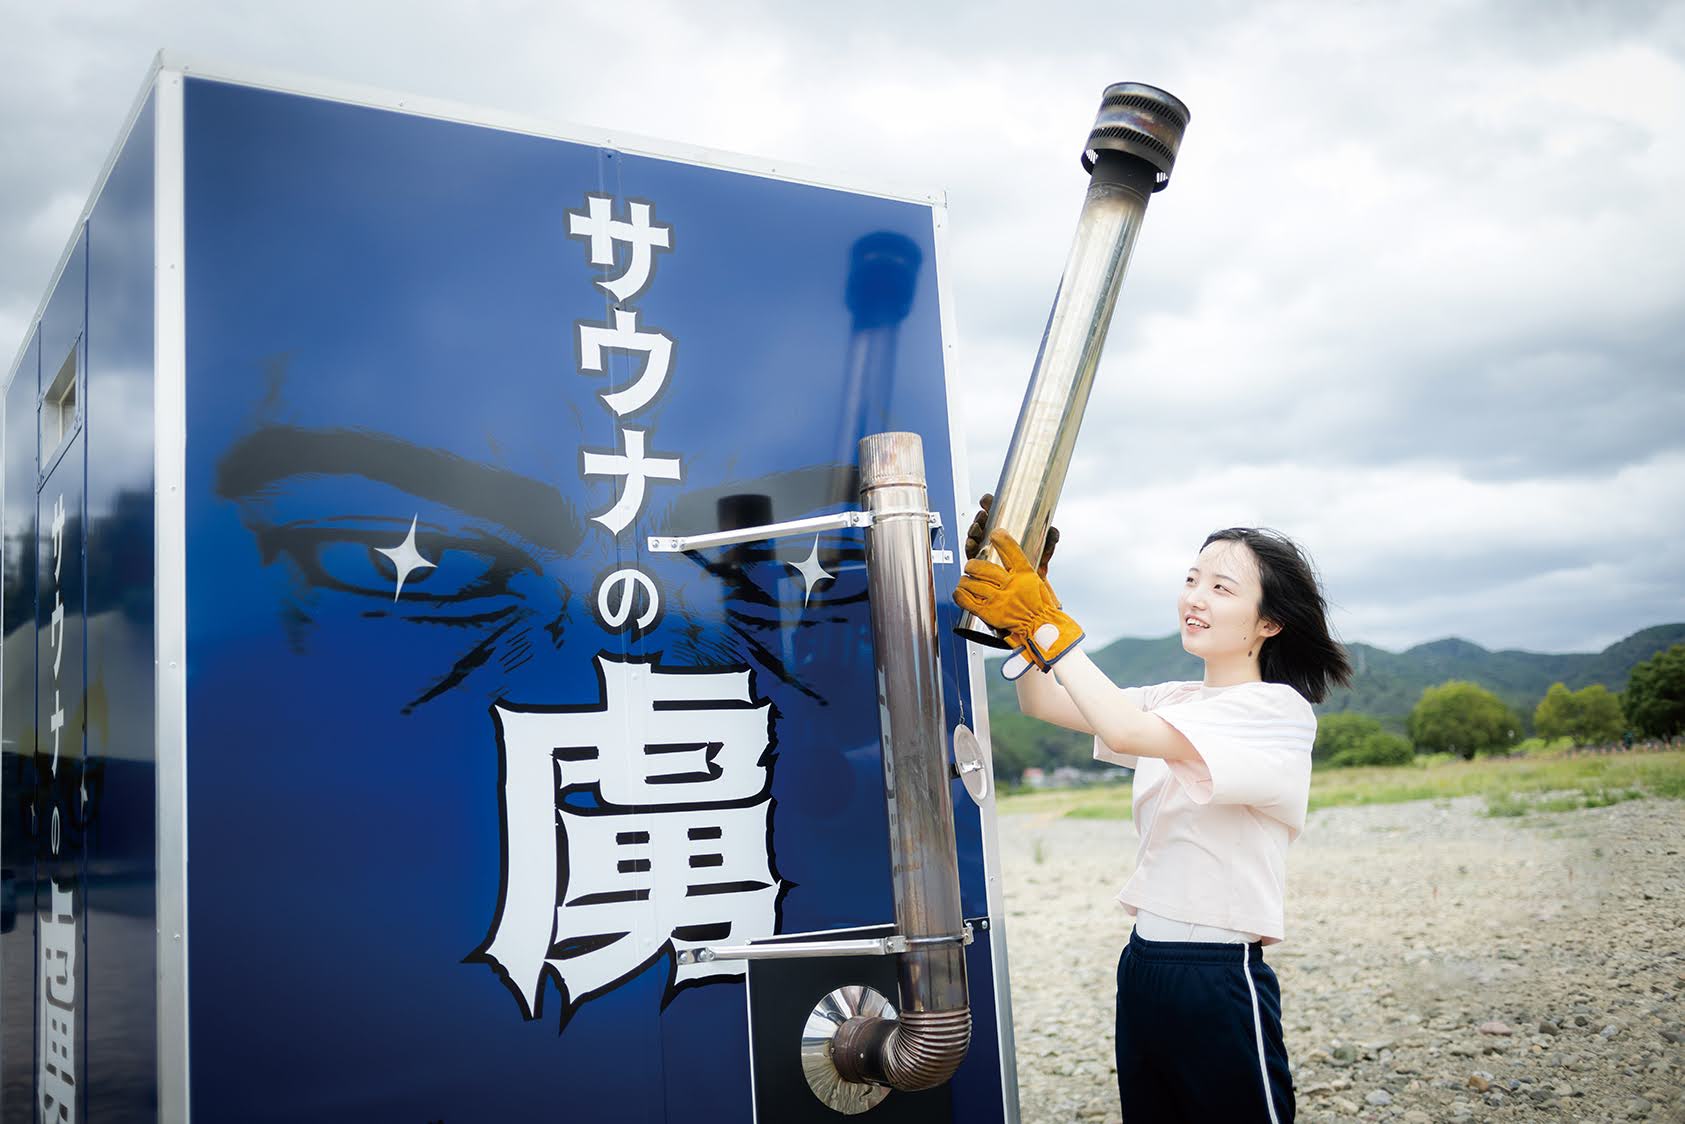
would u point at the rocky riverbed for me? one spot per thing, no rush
(1440, 965)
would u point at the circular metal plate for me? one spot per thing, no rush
(847, 1097)
(971, 763)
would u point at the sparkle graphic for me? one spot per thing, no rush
(406, 558)
(811, 571)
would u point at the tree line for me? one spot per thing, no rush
(1465, 719)
(1456, 717)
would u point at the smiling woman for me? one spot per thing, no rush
(1221, 784)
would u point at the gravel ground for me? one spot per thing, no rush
(1440, 965)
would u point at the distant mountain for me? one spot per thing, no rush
(1387, 684)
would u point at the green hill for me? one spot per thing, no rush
(1387, 684)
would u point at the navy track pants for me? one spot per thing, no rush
(1199, 1035)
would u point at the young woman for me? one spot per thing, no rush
(1222, 778)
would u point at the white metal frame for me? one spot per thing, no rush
(170, 590)
(631, 143)
(1006, 1040)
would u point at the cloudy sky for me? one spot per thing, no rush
(1416, 296)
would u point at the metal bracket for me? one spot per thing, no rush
(680, 544)
(801, 950)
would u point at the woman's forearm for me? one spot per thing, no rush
(1108, 713)
(1040, 696)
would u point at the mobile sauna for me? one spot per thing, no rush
(477, 626)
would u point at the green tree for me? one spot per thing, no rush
(1655, 694)
(1336, 733)
(1463, 718)
(1590, 715)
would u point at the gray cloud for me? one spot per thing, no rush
(1431, 254)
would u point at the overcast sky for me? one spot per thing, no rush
(1416, 296)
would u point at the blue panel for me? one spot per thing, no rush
(17, 761)
(121, 1056)
(392, 373)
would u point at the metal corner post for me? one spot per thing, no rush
(170, 593)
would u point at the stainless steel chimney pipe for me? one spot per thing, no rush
(1130, 153)
(923, 1046)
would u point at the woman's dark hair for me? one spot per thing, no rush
(1302, 655)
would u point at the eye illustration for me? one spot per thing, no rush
(406, 559)
(829, 574)
(379, 557)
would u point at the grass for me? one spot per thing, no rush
(1539, 782)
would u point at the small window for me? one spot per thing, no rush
(58, 405)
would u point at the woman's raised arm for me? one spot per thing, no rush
(1108, 713)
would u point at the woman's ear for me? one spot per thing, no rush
(1268, 628)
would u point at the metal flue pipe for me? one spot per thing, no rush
(1129, 155)
(923, 1046)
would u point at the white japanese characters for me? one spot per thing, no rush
(632, 461)
(668, 850)
(637, 825)
(55, 1007)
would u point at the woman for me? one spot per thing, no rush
(1222, 779)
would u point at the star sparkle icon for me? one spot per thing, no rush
(811, 571)
(406, 559)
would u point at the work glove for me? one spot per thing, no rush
(974, 547)
(1017, 601)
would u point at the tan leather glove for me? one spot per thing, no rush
(1018, 601)
(974, 547)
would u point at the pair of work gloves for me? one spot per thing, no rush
(1014, 599)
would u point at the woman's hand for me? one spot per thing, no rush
(1015, 599)
(974, 536)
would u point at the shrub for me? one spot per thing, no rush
(1377, 748)
(1337, 733)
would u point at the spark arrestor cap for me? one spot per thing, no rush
(1142, 121)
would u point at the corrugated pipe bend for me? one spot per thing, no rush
(919, 1050)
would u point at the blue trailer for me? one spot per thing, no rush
(371, 751)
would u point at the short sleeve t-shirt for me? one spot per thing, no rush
(1214, 833)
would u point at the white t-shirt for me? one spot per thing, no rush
(1214, 833)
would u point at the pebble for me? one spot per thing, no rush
(1548, 1027)
(1495, 1027)
(1379, 1098)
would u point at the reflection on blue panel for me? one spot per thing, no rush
(467, 762)
(17, 747)
(121, 1039)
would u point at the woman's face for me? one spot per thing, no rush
(1218, 608)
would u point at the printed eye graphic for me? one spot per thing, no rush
(378, 557)
(826, 572)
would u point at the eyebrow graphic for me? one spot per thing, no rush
(530, 508)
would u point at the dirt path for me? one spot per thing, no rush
(1411, 927)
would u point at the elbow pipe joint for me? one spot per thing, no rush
(919, 1050)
